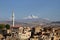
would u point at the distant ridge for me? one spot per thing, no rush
(32, 21)
(56, 22)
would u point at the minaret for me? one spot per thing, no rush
(13, 18)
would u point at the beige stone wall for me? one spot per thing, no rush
(1, 36)
(38, 29)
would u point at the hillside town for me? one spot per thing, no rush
(38, 32)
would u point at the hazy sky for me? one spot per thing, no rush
(48, 9)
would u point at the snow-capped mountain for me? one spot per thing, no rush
(31, 17)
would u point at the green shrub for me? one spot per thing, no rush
(7, 26)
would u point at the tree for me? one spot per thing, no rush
(2, 26)
(7, 26)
